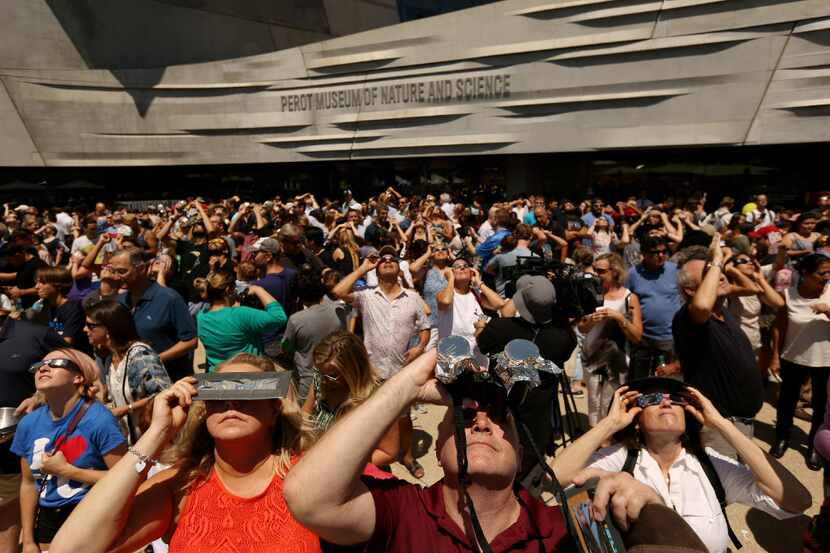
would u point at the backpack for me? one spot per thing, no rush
(711, 475)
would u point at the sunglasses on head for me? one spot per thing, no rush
(55, 364)
(656, 398)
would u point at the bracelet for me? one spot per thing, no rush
(143, 460)
(130, 408)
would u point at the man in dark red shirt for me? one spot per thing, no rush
(325, 493)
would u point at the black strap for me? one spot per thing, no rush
(631, 460)
(711, 474)
(720, 492)
(70, 428)
(461, 456)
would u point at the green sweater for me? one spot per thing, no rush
(232, 330)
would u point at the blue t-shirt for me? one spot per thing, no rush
(96, 435)
(659, 298)
(434, 282)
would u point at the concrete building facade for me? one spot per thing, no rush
(181, 82)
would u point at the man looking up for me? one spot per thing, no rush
(714, 352)
(391, 315)
(655, 283)
(325, 493)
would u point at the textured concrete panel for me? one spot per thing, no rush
(515, 76)
(16, 147)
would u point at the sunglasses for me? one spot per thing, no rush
(460, 266)
(599, 271)
(743, 261)
(656, 398)
(55, 364)
(90, 325)
(495, 412)
(331, 377)
(388, 258)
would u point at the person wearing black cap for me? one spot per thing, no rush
(656, 423)
(541, 323)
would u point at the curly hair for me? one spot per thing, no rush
(193, 452)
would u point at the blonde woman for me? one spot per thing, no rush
(606, 331)
(346, 255)
(224, 487)
(344, 379)
(65, 446)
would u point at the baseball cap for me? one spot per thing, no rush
(534, 299)
(368, 251)
(266, 245)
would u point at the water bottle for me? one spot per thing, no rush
(661, 362)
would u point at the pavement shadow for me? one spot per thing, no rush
(421, 442)
(777, 536)
(766, 433)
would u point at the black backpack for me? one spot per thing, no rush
(711, 474)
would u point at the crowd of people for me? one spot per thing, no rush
(700, 309)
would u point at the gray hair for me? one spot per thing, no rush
(684, 278)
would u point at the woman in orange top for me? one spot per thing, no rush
(223, 491)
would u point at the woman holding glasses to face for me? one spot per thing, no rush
(65, 446)
(223, 490)
(655, 424)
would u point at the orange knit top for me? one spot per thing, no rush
(214, 520)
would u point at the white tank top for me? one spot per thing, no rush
(808, 334)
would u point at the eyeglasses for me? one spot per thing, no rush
(55, 364)
(656, 398)
(330, 377)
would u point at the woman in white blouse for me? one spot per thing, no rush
(659, 421)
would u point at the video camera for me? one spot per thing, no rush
(577, 293)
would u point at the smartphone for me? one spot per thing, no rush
(589, 535)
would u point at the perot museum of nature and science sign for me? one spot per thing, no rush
(506, 77)
(445, 91)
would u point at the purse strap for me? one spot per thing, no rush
(73, 424)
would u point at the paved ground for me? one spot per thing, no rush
(756, 530)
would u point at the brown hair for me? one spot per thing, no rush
(215, 286)
(59, 277)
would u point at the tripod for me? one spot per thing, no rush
(565, 425)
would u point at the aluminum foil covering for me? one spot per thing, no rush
(454, 357)
(520, 362)
(242, 386)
